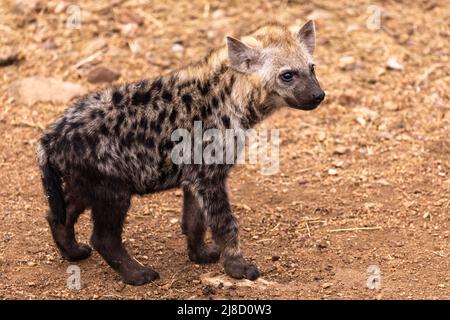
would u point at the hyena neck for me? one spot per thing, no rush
(240, 95)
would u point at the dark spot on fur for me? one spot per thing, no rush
(187, 100)
(162, 116)
(97, 113)
(127, 140)
(134, 125)
(140, 98)
(120, 119)
(168, 145)
(143, 124)
(253, 117)
(140, 136)
(156, 85)
(230, 85)
(161, 151)
(223, 68)
(104, 130)
(226, 121)
(204, 112)
(155, 103)
(131, 111)
(117, 98)
(223, 97)
(167, 96)
(155, 126)
(215, 102)
(150, 143)
(203, 87)
(173, 116)
(142, 156)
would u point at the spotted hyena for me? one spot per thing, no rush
(116, 143)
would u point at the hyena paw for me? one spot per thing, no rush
(76, 252)
(207, 253)
(239, 269)
(140, 276)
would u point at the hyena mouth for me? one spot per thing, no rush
(307, 106)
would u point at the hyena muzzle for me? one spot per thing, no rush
(116, 143)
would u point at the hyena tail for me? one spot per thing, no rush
(52, 186)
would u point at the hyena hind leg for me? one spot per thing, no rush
(194, 227)
(64, 235)
(109, 216)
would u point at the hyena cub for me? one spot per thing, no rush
(116, 142)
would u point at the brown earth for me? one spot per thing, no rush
(375, 155)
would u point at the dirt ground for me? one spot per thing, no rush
(363, 180)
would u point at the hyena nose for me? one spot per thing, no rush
(318, 97)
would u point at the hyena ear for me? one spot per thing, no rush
(307, 36)
(242, 57)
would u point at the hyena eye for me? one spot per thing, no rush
(287, 76)
(313, 68)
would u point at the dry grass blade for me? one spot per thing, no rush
(355, 229)
(309, 231)
(88, 59)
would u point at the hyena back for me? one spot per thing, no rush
(116, 142)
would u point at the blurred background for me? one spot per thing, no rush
(364, 180)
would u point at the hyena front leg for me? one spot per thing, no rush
(225, 229)
(194, 227)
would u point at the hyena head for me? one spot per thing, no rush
(282, 62)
